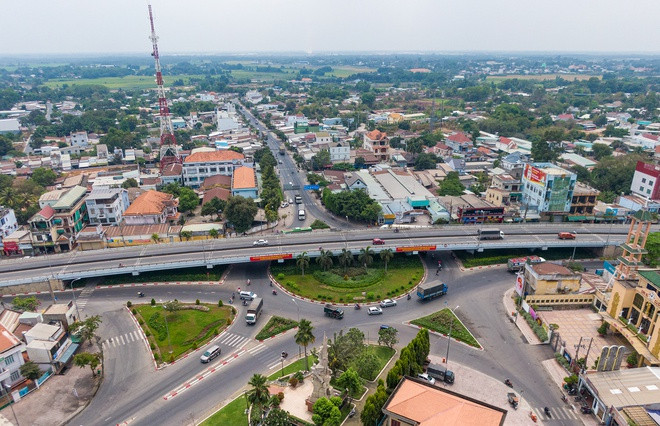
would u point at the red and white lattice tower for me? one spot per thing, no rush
(169, 152)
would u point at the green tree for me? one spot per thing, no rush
(368, 99)
(129, 183)
(367, 364)
(600, 151)
(325, 260)
(213, 233)
(304, 337)
(320, 160)
(372, 411)
(386, 255)
(277, 417)
(186, 235)
(326, 413)
(172, 306)
(425, 161)
(240, 212)
(258, 393)
(30, 371)
(451, 185)
(387, 336)
(86, 328)
(43, 177)
(345, 258)
(366, 257)
(188, 200)
(85, 359)
(652, 258)
(615, 173)
(350, 380)
(155, 238)
(302, 261)
(26, 303)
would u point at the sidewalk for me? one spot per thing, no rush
(525, 329)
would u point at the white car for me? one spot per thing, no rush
(387, 303)
(374, 310)
(284, 204)
(426, 377)
(260, 243)
(247, 295)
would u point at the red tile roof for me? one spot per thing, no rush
(376, 135)
(7, 340)
(217, 180)
(244, 178)
(47, 212)
(172, 170)
(220, 193)
(150, 203)
(459, 137)
(214, 156)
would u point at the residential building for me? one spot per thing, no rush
(11, 357)
(64, 313)
(323, 137)
(244, 182)
(8, 222)
(548, 188)
(584, 200)
(152, 207)
(340, 152)
(378, 143)
(415, 402)
(498, 197)
(172, 173)
(18, 242)
(459, 142)
(548, 278)
(49, 345)
(508, 183)
(514, 164)
(646, 181)
(107, 205)
(134, 235)
(10, 125)
(79, 139)
(202, 164)
(470, 209)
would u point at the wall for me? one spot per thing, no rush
(560, 299)
(41, 286)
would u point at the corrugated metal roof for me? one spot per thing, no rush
(71, 198)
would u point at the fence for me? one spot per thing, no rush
(560, 299)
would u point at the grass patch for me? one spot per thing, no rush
(231, 414)
(126, 82)
(440, 321)
(353, 284)
(384, 354)
(494, 257)
(275, 325)
(319, 224)
(354, 395)
(185, 274)
(293, 367)
(188, 328)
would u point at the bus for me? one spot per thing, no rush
(518, 263)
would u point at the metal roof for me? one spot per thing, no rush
(71, 198)
(625, 388)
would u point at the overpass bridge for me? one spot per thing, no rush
(208, 253)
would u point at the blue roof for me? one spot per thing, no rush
(68, 353)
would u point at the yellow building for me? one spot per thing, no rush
(548, 278)
(633, 312)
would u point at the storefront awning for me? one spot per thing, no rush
(68, 353)
(576, 218)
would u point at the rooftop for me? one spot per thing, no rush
(7, 339)
(651, 276)
(173, 169)
(42, 331)
(629, 387)
(150, 203)
(101, 193)
(547, 268)
(376, 135)
(216, 192)
(244, 178)
(217, 180)
(214, 156)
(71, 198)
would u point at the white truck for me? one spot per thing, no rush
(301, 214)
(254, 310)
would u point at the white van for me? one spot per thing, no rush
(210, 353)
(247, 295)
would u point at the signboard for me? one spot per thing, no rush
(534, 175)
(271, 257)
(311, 187)
(414, 248)
(520, 282)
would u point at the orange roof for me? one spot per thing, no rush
(376, 135)
(7, 340)
(244, 178)
(151, 202)
(428, 405)
(208, 157)
(220, 193)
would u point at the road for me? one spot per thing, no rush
(134, 259)
(133, 391)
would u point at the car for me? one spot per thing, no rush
(387, 303)
(210, 354)
(260, 243)
(567, 235)
(384, 326)
(374, 310)
(378, 242)
(290, 200)
(284, 204)
(426, 377)
(280, 161)
(247, 295)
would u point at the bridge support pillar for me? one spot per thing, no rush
(610, 252)
(135, 273)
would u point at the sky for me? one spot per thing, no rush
(32, 27)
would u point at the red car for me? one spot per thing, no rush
(378, 242)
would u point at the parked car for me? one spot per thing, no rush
(284, 204)
(374, 310)
(384, 326)
(426, 377)
(260, 243)
(387, 303)
(378, 242)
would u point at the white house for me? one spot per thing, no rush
(8, 222)
(202, 164)
(78, 139)
(11, 357)
(106, 205)
(340, 152)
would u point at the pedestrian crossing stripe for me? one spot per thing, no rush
(557, 413)
(122, 339)
(231, 339)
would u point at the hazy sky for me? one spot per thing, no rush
(121, 26)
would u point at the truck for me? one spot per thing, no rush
(490, 234)
(282, 150)
(440, 373)
(333, 311)
(298, 199)
(428, 291)
(301, 214)
(254, 310)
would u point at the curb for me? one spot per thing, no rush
(499, 265)
(453, 339)
(276, 335)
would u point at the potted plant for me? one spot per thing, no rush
(602, 330)
(632, 360)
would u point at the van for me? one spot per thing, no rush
(211, 353)
(247, 295)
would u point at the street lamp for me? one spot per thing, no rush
(282, 358)
(575, 246)
(11, 404)
(450, 327)
(298, 307)
(73, 293)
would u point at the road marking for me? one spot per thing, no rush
(274, 365)
(260, 347)
(556, 413)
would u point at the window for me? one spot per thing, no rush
(643, 180)
(395, 422)
(15, 375)
(641, 188)
(9, 359)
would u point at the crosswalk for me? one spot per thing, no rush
(85, 294)
(233, 340)
(265, 355)
(121, 340)
(556, 413)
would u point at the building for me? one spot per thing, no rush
(172, 173)
(107, 205)
(11, 354)
(152, 207)
(548, 278)
(417, 403)
(200, 165)
(547, 187)
(583, 201)
(509, 184)
(10, 125)
(646, 181)
(244, 182)
(65, 313)
(340, 152)
(378, 143)
(49, 345)
(459, 142)
(78, 139)
(471, 209)
(8, 223)
(18, 242)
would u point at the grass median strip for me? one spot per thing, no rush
(293, 367)
(274, 326)
(231, 414)
(495, 257)
(442, 320)
(172, 275)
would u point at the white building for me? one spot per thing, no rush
(78, 139)
(646, 181)
(8, 222)
(340, 152)
(11, 356)
(547, 187)
(106, 206)
(10, 125)
(202, 164)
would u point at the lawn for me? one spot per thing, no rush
(188, 328)
(172, 275)
(494, 257)
(293, 367)
(127, 82)
(231, 414)
(440, 321)
(384, 354)
(275, 325)
(353, 284)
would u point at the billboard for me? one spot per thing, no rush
(534, 175)
(520, 282)
(414, 248)
(271, 257)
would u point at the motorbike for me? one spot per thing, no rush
(546, 410)
(408, 297)
(396, 230)
(352, 413)
(563, 398)
(513, 400)
(508, 383)
(585, 410)
(244, 302)
(274, 292)
(271, 283)
(572, 391)
(140, 294)
(357, 306)
(248, 282)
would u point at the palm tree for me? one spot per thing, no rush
(325, 259)
(155, 238)
(259, 393)
(366, 257)
(386, 255)
(345, 258)
(302, 261)
(213, 233)
(305, 337)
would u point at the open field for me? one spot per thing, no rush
(128, 82)
(345, 71)
(541, 77)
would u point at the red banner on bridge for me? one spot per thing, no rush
(271, 257)
(414, 248)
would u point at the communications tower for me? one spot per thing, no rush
(169, 152)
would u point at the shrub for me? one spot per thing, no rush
(129, 304)
(632, 359)
(140, 321)
(280, 396)
(602, 330)
(197, 302)
(171, 358)
(561, 360)
(293, 382)
(370, 295)
(219, 303)
(228, 321)
(538, 330)
(153, 302)
(280, 276)
(133, 311)
(157, 357)
(152, 346)
(194, 345)
(147, 333)
(299, 376)
(571, 380)
(216, 332)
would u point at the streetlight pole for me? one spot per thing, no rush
(11, 404)
(450, 328)
(73, 293)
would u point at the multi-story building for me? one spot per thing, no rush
(8, 222)
(584, 199)
(459, 142)
(340, 152)
(107, 205)
(244, 182)
(11, 357)
(646, 181)
(200, 165)
(54, 228)
(378, 143)
(547, 187)
(152, 207)
(548, 278)
(78, 139)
